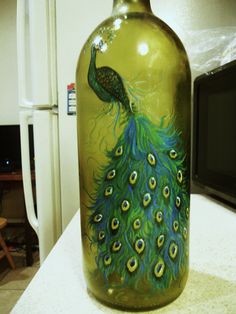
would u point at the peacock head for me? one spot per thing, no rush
(99, 44)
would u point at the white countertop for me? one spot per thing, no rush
(59, 285)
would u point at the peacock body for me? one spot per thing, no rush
(139, 212)
(106, 82)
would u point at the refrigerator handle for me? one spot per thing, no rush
(26, 172)
(22, 53)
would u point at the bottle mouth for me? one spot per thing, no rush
(131, 6)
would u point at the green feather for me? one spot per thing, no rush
(146, 153)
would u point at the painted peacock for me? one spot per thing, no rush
(140, 209)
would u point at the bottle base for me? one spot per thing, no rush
(140, 302)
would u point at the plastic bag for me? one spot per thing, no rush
(210, 48)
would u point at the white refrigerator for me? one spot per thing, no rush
(37, 89)
(50, 36)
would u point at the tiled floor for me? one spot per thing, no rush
(14, 282)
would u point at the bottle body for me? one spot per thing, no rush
(133, 86)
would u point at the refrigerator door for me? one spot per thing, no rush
(37, 84)
(36, 53)
(47, 222)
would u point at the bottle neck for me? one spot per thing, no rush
(128, 6)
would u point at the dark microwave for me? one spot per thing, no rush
(214, 132)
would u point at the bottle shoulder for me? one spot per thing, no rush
(136, 40)
(133, 27)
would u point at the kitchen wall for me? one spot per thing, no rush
(205, 28)
(8, 63)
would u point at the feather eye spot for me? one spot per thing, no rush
(159, 268)
(178, 202)
(137, 224)
(173, 154)
(187, 212)
(97, 218)
(133, 177)
(151, 159)
(119, 151)
(175, 225)
(152, 183)
(116, 246)
(107, 260)
(159, 216)
(147, 199)
(160, 240)
(139, 246)
(173, 250)
(180, 176)
(115, 224)
(108, 191)
(125, 205)
(132, 264)
(101, 235)
(166, 191)
(185, 233)
(111, 174)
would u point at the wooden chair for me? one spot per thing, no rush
(3, 223)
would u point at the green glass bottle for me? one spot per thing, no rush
(133, 90)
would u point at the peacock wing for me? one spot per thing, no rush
(111, 81)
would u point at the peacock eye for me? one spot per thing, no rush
(111, 174)
(175, 225)
(108, 191)
(107, 260)
(136, 224)
(173, 250)
(178, 201)
(132, 264)
(185, 233)
(160, 240)
(101, 235)
(151, 159)
(187, 212)
(97, 218)
(139, 246)
(159, 268)
(173, 154)
(125, 205)
(115, 224)
(166, 191)
(119, 151)
(159, 216)
(152, 183)
(133, 177)
(116, 246)
(180, 176)
(146, 199)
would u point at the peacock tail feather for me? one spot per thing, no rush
(139, 213)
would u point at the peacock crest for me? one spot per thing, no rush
(140, 209)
